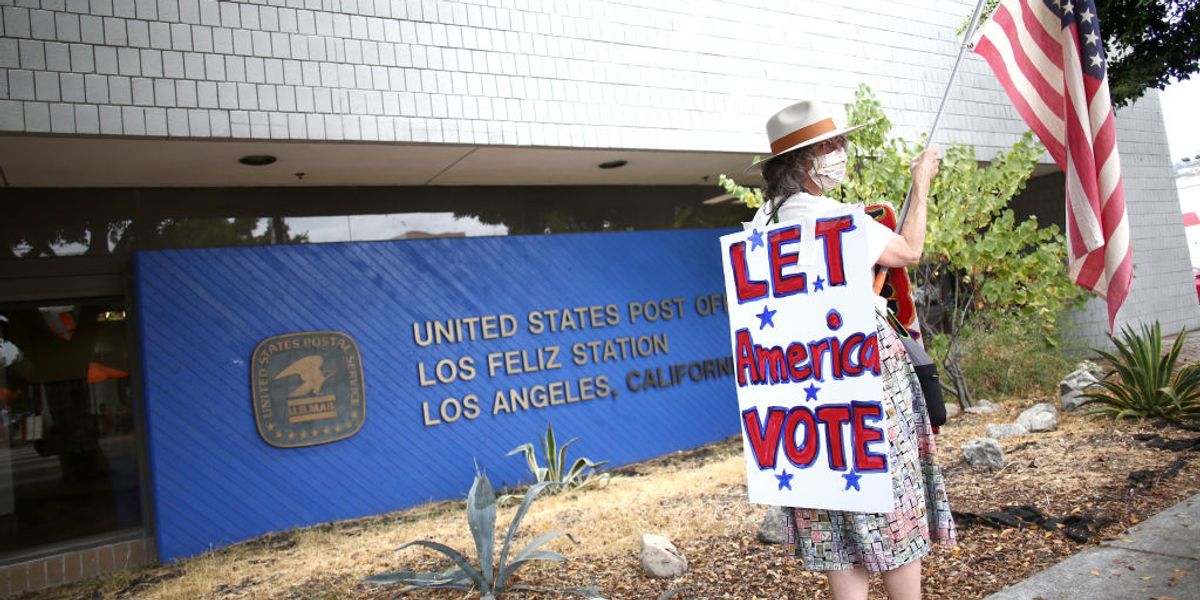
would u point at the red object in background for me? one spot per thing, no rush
(98, 372)
(60, 320)
(1192, 219)
(897, 289)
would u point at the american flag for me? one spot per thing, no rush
(1049, 56)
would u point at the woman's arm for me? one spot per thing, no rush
(905, 249)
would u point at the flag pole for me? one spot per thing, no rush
(881, 274)
(962, 50)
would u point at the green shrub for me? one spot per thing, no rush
(583, 471)
(491, 580)
(980, 258)
(1144, 387)
(1004, 356)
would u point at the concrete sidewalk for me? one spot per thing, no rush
(1158, 558)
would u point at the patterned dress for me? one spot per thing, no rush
(828, 540)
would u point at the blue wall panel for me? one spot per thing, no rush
(202, 312)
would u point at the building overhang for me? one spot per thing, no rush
(78, 161)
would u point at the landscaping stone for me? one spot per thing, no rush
(952, 410)
(1096, 370)
(1004, 430)
(1072, 386)
(660, 558)
(1072, 400)
(1039, 417)
(984, 452)
(773, 523)
(984, 407)
(1076, 380)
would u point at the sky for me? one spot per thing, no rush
(1181, 115)
(358, 228)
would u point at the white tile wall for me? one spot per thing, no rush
(700, 75)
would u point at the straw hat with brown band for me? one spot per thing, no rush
(802, 124)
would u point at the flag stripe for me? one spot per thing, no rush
(1091, 273)
(1122, 280)
(1114, 209)
(1082, 160)
(1099, 107)
(1043, 111)
(988, 51)
(1110, 176)
(1032, 67)
(1077, 198)
(1038, 42)
(1045, 28)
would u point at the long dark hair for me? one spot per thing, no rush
(784, 176)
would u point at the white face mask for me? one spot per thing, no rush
(829, 169)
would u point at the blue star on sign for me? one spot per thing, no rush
(766, 317)
(756, 239)
(810, 392)
(785, 480)
(852, 480)
(819, 284)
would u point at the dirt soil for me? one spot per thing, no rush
(1092, 478)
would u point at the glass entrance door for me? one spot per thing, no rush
(68, 456)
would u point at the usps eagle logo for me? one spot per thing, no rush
(307, 388)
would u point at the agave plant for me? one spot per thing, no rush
(1144, 386)
(582, 473)
(491, 580)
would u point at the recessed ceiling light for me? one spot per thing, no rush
(257, 160)
(613, 164)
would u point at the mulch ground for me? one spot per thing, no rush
(1099, 477)
(1061, 492)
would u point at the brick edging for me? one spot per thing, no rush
(69, 567)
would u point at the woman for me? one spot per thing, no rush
(809, 158)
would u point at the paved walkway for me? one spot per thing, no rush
(1158, 558)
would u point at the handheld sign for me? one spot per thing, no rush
(808, 367)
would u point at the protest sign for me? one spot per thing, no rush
(807, 360)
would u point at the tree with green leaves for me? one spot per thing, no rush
(980, 264)
(1148, 43)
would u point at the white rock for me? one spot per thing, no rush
(1042, 421)
(771, 531)
(952, 410)
(1076, 380)
(1072, 400)
(984, 407)
(660, 558)
(1004, 430)
(1039, 417)
(1090, 367)
(1071, 388)
(984, 452)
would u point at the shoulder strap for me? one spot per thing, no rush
(773, 215)
(894, 321)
